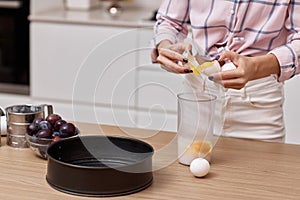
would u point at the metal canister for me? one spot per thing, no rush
(18, 118)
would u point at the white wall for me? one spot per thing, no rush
(41, 5)
(153, 4)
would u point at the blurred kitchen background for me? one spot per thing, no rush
(44, 46)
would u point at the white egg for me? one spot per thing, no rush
(199, 167)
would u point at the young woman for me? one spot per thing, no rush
(261, 38)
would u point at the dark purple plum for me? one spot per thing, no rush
(44, 133)
(58, 124)
(45, 125)
(32, 129)
(67, 130)
(52, 118)
(37, 121)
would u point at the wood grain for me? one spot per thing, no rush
(240, 169)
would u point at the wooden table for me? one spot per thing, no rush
(241, 169)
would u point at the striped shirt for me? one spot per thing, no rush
(248, 27)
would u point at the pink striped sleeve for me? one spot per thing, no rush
(171, 21)
(288, 55)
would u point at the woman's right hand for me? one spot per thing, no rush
(169, 55)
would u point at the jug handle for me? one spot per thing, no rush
(47, 109)
(2, 122)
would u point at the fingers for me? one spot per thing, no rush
(234, 74)
(169, 59)
(229, 79)
(220, 77)
(170, 54)
(229, 55)
(169, 65)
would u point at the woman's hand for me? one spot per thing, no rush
(170, 54)
(247, 69)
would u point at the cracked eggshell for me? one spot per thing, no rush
(212, 69)
(228, 66)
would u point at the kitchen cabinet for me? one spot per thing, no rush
(102, 74)
(157, 90)
(62, 53)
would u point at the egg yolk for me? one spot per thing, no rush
(199, 148)
(198, 69)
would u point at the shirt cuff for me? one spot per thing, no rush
(287, 60)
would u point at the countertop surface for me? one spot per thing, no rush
(240, 169)
(130, 17)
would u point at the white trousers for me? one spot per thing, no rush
(254, 112)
